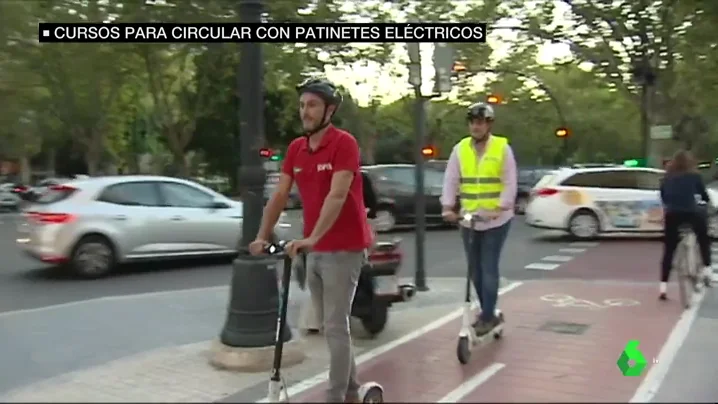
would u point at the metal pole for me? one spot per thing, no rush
(254, 297)
(645, 124)
(420, 198)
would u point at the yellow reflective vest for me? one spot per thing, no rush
(480, 181)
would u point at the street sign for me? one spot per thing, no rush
(271, 165)
(443, 65)
(661, 132)
(414, 64)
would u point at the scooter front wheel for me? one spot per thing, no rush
(463, 350)
(373, 395)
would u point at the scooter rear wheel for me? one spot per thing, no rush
(373, 395)
(463, 350)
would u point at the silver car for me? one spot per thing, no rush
(8, 199)
(90, 225)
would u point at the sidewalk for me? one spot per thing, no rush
(555, 348)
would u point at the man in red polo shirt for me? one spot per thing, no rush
(325, 165)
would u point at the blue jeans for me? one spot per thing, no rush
(483, 257)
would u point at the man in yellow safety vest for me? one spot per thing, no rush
(482, 172)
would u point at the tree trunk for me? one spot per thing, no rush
(369, 148)
(51, 162)
(25, 170)
(180, 164)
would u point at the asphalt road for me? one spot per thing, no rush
(27, 284)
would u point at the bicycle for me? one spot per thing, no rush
(689, 271)
(687, 266)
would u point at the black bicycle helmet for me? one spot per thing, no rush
(327, 91)
(480, 111)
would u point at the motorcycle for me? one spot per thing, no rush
(377, 290)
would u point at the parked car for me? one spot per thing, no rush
(586, 202)
(395, 187)
(92, 225)
(9, 198)
(32, 193)
(526, 179)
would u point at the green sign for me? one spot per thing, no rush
(631, 353)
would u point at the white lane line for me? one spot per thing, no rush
(558, 258)
(657, 372)
(307, 384)
(111, 298)
(583, 244)
(471, 384)
(541, 266)
(572, 250)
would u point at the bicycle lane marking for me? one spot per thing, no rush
(474, 382)
(372, 358)
(569, 353)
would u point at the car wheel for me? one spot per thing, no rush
(521, 203)
(713, 227)
(93, 257)
(584, 225)
(385, 220)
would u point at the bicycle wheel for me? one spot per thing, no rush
(693, 265)
(685, 279)
(685, 287)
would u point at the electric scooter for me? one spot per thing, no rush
(467, 335)
(370, 392)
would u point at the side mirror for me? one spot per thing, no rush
(218, 204)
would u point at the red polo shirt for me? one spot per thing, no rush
(312, 170)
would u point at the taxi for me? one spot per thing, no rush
(588, 201)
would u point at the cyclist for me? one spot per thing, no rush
(482, 169)
(325, 165)
(679, 189)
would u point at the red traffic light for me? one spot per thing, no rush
(562, 132)
(264, 152)
(428, 151)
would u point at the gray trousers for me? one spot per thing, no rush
(332, 279)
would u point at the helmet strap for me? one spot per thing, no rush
(324, 123)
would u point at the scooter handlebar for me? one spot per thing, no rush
(278, 249)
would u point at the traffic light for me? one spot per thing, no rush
(428, 151)
(635, 163)
(266, 153)
(276, 155)
(493, 99)
(561, 132)
(459, 67)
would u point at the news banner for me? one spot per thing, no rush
(262, 32)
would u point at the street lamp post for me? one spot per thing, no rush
(645, 76)
(419, 138)
(254, 298)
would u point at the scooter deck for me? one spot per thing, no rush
(495, 333)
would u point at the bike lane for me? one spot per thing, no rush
(552, 350)
(561, 343)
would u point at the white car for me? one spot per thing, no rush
(588, 201)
